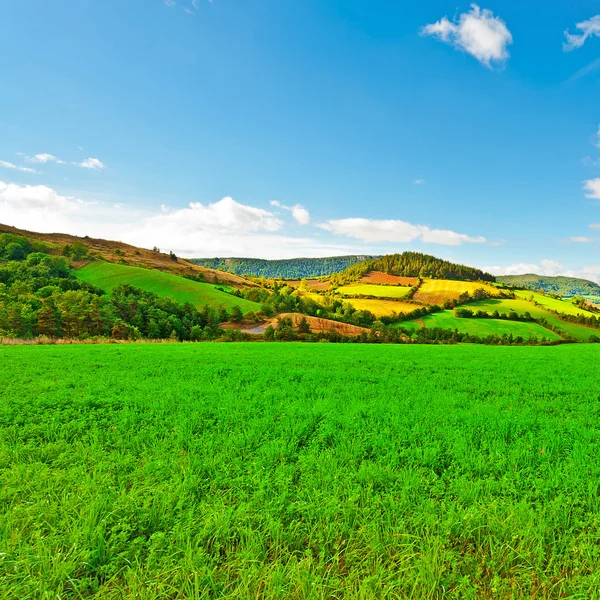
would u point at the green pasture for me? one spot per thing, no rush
(561, 306)
(520, 306)
(167, 471)
(108, 275)
(481, 327)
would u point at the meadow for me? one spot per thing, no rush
(108, 275)
(481, 327)
(299, 471)
(553, 304)
(520, 306)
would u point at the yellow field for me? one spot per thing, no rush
(437, 291)
(367, 289)
(381, 308)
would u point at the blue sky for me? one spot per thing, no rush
(280, 128)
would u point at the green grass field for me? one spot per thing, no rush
(299, 471)
(481, 327)
(561, 306)
(381, 291)
(579, 332)
(108, 275)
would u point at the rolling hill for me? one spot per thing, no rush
(107, 276)
(118, 252)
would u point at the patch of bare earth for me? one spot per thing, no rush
(380, 278)
(318, 325)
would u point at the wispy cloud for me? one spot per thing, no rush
(299, 213)
(587, 29)
(378, 231)
(583, 72)
(43, 159)
(91, 163)
(478, 33)
(170, 3)
(592, 188)
(581, 239)
(418, 182)
(9, 165)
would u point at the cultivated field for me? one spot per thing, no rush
(482, 327)
(381, 308)
(382, 291)
(377, 277)
(437, 291)
(299, 471)
(107, 276)
(311, 284)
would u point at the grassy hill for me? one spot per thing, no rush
(482, 327)
(107, 276)
(562, 286)
(118, 252)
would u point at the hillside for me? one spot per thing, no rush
(118, 252)
(413, 264)
(562, 286)
(108, 276)
(293, 268)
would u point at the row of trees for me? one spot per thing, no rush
(39, 295)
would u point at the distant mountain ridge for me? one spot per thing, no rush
(562, 286)
(292, 268)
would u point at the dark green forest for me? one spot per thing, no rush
(293, 268)
(40, 296)
(413, 264)
(561, 286)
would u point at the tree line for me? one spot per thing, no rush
(412, 264)
(293, 268)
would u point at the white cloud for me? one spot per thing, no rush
(169, 3)
(42, 158)
(478, 32)
(299, 213)
(592, 188)
(376, 231)
(545, 267)
(595, 226)
(581, 239)
(226, 215)
(589, 28)
(418, 181)
(223, 228)
(9, 165)
(91, 163)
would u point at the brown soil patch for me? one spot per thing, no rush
(318, 325)
(379, 278)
